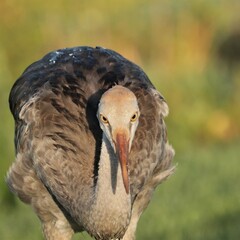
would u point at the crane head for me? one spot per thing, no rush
(118, 115)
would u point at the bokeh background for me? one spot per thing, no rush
(191, 51)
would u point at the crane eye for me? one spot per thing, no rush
(103, 119)
(134, 117)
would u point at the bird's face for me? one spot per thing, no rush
(118, 116)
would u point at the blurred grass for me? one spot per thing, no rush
(200, 201)
(191, 51)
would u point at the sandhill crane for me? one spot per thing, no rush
(91, 143)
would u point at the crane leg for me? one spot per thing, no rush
(55, 226)
(130, 233)
(139, 205)
(143, 198)
(55, 231)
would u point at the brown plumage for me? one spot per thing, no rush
(91, 143)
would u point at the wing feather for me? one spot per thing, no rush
(57, 134)
(150, 147)
(62, 147)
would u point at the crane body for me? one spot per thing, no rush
(91, 143)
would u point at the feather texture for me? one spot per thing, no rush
(58, 139)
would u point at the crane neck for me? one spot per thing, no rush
(109, 175)
(111, 205)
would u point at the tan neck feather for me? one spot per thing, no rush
(111, 205)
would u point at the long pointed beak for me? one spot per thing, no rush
(122, 148)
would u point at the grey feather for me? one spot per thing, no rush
(58, 140)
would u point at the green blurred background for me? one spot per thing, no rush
(191, 51)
